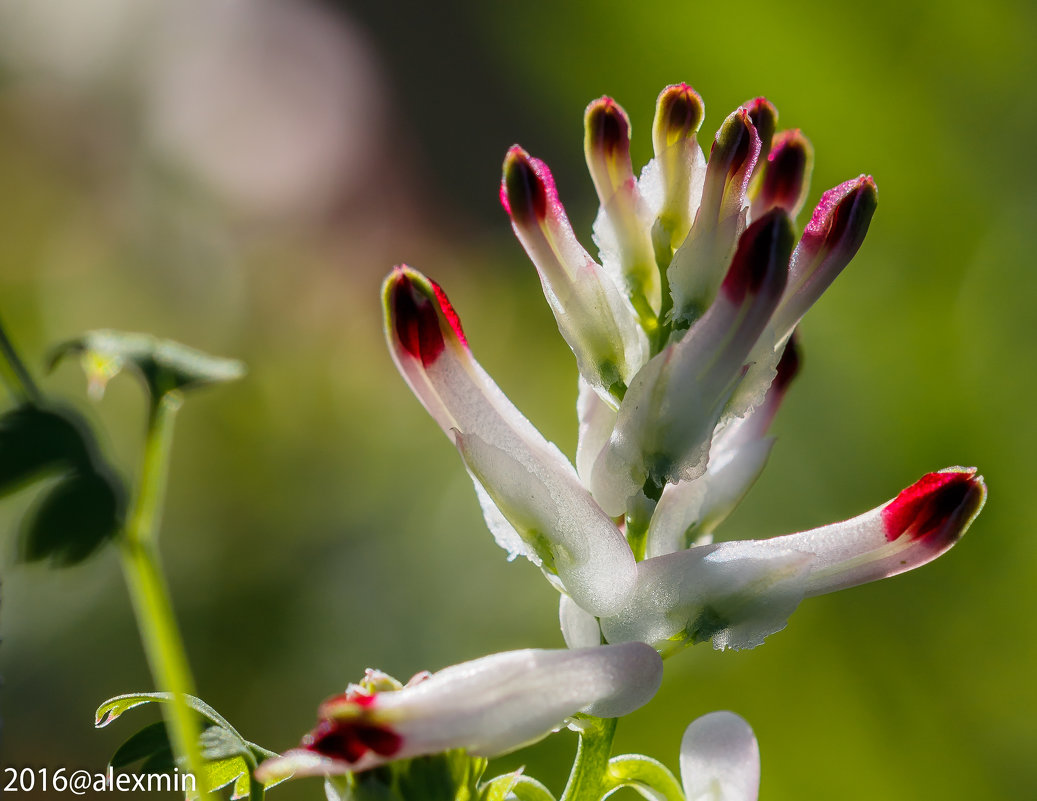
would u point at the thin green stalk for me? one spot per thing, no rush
(156, 621)
(587, 781)
(20, 381)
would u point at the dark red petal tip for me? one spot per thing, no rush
(786, 170)
(842, 216)
(608, 127)
(937, 508)
(762, 259)
(526, 187)
(415, 318)
(679, 114)
(349, 741)
(764, 117)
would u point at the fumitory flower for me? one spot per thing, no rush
(488, 706)
(683, 330)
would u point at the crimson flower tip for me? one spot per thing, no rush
(414, 306)
(527, 187)
(936, 509)
(608, 126)
(760, 263)
(679, 112)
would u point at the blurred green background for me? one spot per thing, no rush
(240, 176)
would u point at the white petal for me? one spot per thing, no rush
(557, 518)
(720, 759)
(596, 421)
(580, 628)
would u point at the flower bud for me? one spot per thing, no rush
(831, 239)
(700, 263)
(597, 322)
(784, 177)
(678, 116)
(764, 117)
(623, 224)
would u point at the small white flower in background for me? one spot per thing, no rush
(683, 336)
(488, 706)
(720, 760)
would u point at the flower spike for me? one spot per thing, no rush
(738, 593)
(489, 706)
(622, 225)
(665, 422)
(700, 262)
(597, 322)
(532, 499)
(720, 759)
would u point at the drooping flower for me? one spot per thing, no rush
(683, 333)
(488, 706)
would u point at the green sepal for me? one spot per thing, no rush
(162, 364)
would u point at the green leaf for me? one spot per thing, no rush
(229, 756)
(35, 441)
(222, 772)
(148, 741)
(164, 366)
(80, 514)
(218, 743)
(87, 505)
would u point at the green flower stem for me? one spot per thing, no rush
(637, 771)
(588, 779)
(20, 381)
(156, 621)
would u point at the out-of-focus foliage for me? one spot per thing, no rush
(240, 176)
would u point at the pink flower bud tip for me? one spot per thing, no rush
(937, 508)
(527, 187)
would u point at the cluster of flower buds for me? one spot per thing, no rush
(683, 332)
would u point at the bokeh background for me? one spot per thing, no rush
(240, 175)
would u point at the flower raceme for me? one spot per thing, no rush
(683, 332)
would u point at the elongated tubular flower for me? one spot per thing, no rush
(531, 496)
(595, 318)
(720, 759)
(737, 593)
(488, 706)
